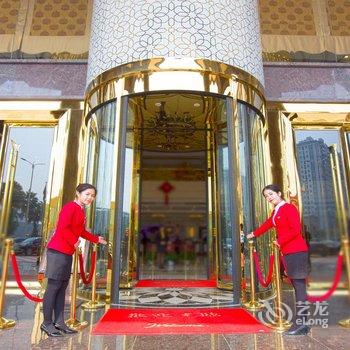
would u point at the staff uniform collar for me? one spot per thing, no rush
(81, 206)
(279, 205)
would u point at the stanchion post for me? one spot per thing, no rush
(253, 304)
(73, 322)
(346, 254)
(279, 323)
(92, 304)
(4, 323)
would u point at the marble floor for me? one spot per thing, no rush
(175, 297)
(27, 335)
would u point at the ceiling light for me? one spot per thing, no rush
(196, 104)
(172, 127)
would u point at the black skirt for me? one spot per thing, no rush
(58, 266)
(297, 265)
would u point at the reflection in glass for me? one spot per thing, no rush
(29, 191)
(225, 226)
(318, 197)
(320, 185)
(101, 145)
(130, 200)
(253, 178)
(127, 213)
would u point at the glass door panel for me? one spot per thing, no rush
(130, 197)
(225, 226)
(252, 158)
(101, 149)
(229, 274)
(29, 193)
(324, 198)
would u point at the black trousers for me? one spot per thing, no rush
(300, 289)
(53, 303)
(301, 304)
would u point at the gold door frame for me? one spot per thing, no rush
(281, 126)
(65, 117)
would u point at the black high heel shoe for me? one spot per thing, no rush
(50, 332)
(301, 330)
(65, 329)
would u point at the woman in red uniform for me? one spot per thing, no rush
(70, 227)
(286, 219)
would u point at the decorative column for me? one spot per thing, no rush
(219, 30)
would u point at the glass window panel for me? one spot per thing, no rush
(225, 212)
(321, 172)
(130, 200)
(253, 178)
(29, 191)
(102, 143)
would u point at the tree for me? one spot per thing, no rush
(19, 206)
(18, 198)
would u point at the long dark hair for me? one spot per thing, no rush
(272, 187)
(85, 186)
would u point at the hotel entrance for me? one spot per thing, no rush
(178, 173)
(174, 210)
(175, 159)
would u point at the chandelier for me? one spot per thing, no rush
(174, 129)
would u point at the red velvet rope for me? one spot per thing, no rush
(263, 282)
(328, 294)
(87, 280)
(19, 281)
(338, 271)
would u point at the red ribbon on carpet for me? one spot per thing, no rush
(19, 281)
(263, 282)
(87, 280)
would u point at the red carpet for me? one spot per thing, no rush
(176, 283)
(177, 321)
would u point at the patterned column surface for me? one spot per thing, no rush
(220, 30)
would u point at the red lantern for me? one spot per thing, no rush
(166, 188)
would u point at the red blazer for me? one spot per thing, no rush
(70, 226)
(288, 227)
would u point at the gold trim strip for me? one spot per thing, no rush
(175, 74)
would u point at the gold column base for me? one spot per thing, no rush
(345, 323)
(254, 305)
(93, 305)
(77, 325)
(5, 324)
(280, 325)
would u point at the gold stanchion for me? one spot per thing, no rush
(253, 304)
(4, 323)
(92, 304)
(73, 322)
(346, 255)
(279, 323)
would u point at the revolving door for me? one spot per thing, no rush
(183, 167)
